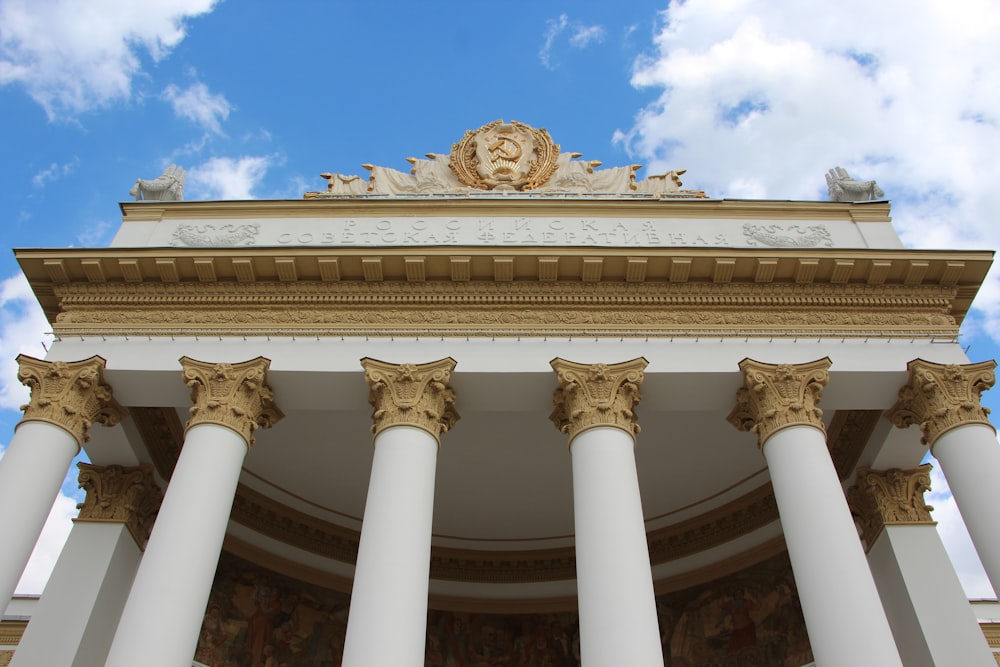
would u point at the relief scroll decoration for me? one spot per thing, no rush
(591, 395)
(412, 395)
(70, 395)
(775, 396)
(235, 396)
(122, 495)
(940, 397)
(880, 498)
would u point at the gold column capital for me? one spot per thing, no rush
(940, 397)
(880, 498)
(117, 494)
(775, 396)
(232, 395)
(69, 394)
(592, 395)
(411, 395)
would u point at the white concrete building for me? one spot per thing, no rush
(494, 318)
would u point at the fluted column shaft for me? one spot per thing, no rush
(838, 595)
(944, 400)
(66, 398)
(162, 618)
(413, 405)
(595, 407)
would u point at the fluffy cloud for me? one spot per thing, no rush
(198, 104)
(22, 327)
(73, 56)
(904, 93)
(227, 178)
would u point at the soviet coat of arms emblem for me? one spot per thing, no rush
(504, 156)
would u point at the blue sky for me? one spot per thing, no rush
(755, 99)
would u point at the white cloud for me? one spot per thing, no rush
(759, 99)
(956, 538)
(54, 172)
(198, 104)
(50, 544)
(72, 56)
(23, 327)
(581, 36)
(227, 178)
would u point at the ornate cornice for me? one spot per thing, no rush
(880, 498)
(412, 395)
(71, 395)
(775, 396)
(592, 395)
(120, 495)
(232, 395)
(939, 397)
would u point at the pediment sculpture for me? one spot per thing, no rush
(504, 157)
(168, 186)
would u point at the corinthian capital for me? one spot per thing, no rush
(884, 497)
(774, 397)
(412, 395)
(592, 395)
(232, 395)
(71, 395)
(120, 495)
(940, 397)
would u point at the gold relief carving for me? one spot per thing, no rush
(939, 397)
(121, 495)
(592, 395)
(232, 395)
(411, 394)
(71, 395)
(479, 308)
(880, 498)
(777, 396)
(504, 156)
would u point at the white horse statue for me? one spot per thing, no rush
(168, 186)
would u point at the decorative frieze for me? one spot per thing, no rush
(880, 498)
(592, 395)
(70, 395)
(412, 395)
(120, 495)
(939, 397)
(775, 396)
(232, 395)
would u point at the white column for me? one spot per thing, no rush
(928, 611)
(944, 400)
(165, 609)
(413, 405)
(970, 460)
(595, 406)
(65, 399)
(90, 582)
(840, 604)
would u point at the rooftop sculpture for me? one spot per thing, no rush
(846, 189)
(502, 157)
(168, 186)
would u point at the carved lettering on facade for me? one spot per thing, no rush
(232, 395)
(880, 498)
(939, 397)
(412, 395)
(122, 495)
(777, 396)
(71, 395)
(591, 395)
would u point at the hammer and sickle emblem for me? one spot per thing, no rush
(505, 148)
